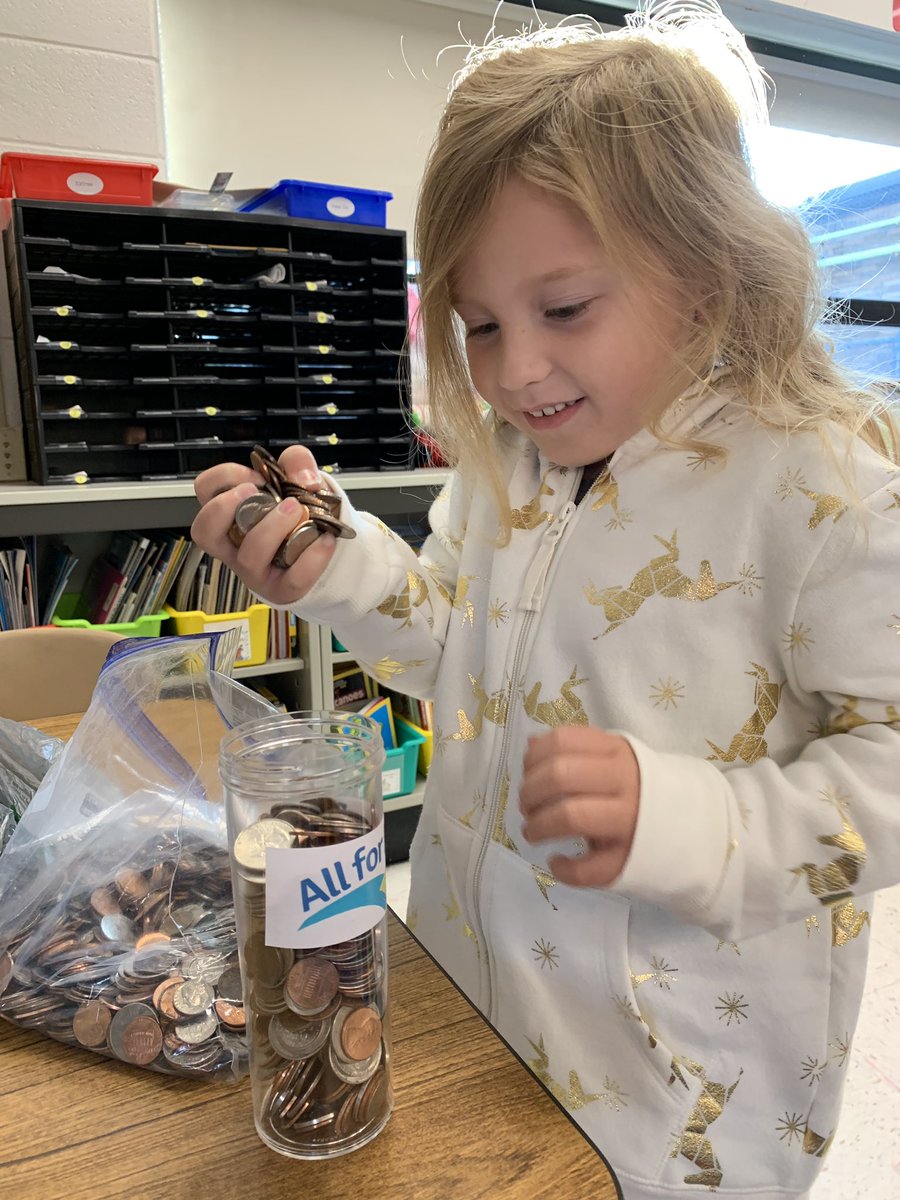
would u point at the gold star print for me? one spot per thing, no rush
(748, 580)
(662, 975)
(796, 637)
(612, 1095)
(812, 1070)
(435, 839)
(895, 501)
(625, 1008)
(733, 945)
(841, 1047)
(667, 692)
(705, 456)
(790, 1126)
(788, 482)
(452, 909)
(386, 668)
(498, 613)
(620, 519)
(545, 954)
(895, 623)
(732, 1006)
(812, 923)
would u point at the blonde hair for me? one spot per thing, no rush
(646, 132)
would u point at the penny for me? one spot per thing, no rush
(353, 1072)
(360, 1034)
(91, 1023)
(311, 985)
(229, 986)
(192, 997)
(141, 1041)
(196, 1030)
(132, 883)
(248, 515)
(162, 997)
(121, 1023)
(344, 1116)
(232, 1016)
(251, 843)
(373, 1098)
(151, 939)
(295, 543)
(104, 903)
(293, 1038)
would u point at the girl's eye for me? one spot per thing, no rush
(567, 312)
(478, 331)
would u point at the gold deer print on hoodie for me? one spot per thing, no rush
(661, 577)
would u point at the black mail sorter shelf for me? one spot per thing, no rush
(154, 343)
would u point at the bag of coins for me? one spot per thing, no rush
(306, 830)
(117, 925)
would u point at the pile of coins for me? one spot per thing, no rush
(316, 1019)
(143, 968)
(322, 507)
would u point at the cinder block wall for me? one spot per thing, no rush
(76, 77)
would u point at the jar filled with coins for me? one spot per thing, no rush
(306, 834)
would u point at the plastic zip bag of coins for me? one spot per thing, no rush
(306, 831)
(26, 755)
(117, 930)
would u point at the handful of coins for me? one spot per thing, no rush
(322, 508)
(317, 1021)
(143, 968)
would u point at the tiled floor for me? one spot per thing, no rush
(864, 1160)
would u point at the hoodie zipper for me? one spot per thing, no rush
(532, 600)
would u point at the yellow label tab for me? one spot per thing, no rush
(65, 345)
(328, 379)
(197, 280)
(76, 411)
(80, 477)
(321, 317)
(329, 470)
(70, 378)
(333, 439)
(211, 411)
(63, 310)
(324, 349)
(311, 287)
(201, 312)
(331, 409)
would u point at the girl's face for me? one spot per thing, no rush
(560, 343)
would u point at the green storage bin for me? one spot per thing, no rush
(398, 775)
(143, 627)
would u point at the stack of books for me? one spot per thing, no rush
(133, 579)
(18, 588)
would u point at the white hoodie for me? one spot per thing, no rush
(735, 615)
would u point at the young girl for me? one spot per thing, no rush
(657, 612)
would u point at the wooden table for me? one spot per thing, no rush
(470, 1122)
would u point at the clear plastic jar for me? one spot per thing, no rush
(306, 835)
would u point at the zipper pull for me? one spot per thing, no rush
(536, 576)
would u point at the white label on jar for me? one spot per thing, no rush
(243, 624)
(340, 206)
(321, 895)
(84, 183)
(391, 781)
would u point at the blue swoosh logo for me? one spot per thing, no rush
(370, 894)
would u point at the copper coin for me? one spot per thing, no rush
(132, 883)
(373, 1098)
(142, 1041)
(295, 543)
(311, 985)
(162, 998)
(232, 1016)
(151, 939)
(91, 1022)
(343, 1121)
(361, 1034)
(104, 903)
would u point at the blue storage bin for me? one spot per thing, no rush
(322, 202)
(398, 775)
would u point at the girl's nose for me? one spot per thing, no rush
(523, 361)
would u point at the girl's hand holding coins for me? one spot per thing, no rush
(273, 523)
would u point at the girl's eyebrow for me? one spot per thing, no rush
(539, 280)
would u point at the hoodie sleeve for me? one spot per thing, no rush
(389, 606)
(741, 850)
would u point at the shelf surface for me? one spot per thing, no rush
(277, 666)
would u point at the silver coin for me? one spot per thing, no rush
(251, 511)
(251, 843)
(197, 1030)
(229, 986)
(117, 928)
(207, 967)
(192, 997)
(354, 1072)
(293, 1038)
(187, 915)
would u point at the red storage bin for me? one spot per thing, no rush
(53, 177)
